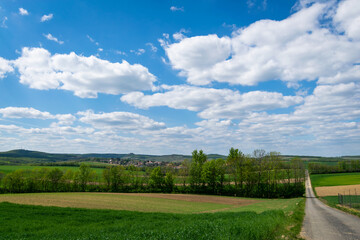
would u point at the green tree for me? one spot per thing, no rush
(184, 171)
(67, 179)
(134, 177)
(84, 176)
(1, 178)
(14, 182)
(156, 179)
(213, 174)
(31, 181)
(117, 176)
(42, 179)
(169, 182)
(235, 161)
(260, 158)
(107, 176)
(55, 177)
(250, 176)
(198, 160)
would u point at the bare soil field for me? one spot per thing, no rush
(334, 190)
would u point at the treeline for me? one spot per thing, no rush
(341, 167)
(261, 174)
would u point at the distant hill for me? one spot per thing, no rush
(21, 156)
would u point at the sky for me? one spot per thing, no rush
(171, 76)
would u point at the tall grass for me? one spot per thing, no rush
(36, 222)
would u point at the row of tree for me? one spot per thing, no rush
(341, 167)
(258, 175)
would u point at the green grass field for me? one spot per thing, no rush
(335, 179)
(11, 168)
(35, 222)
(150, 218)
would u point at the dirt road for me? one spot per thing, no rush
(323, 222)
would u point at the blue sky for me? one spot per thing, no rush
(162, 77)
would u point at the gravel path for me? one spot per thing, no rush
(323, 222)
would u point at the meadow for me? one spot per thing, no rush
(336, 179)
(151, 217)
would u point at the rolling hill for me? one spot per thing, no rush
(21, 156)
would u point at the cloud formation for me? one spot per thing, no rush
(85, 76)
(119, 121)
(138, 52)
(25, 112)
(5, 67)
(52, 38)
(319, 43)
(92, 40)
(175, 9)
(3, 22)
(298, 48)
(46, 18)
(212, 103)
(152, 47)
(23, 12)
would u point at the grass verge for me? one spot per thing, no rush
(332, 201)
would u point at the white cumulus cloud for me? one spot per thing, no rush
(32, 113)
(212, 103)
(23, 12)
(119, 121)
(196, 56)
(297, 48)
(85, 76)
(348, 18)
(178, 36)
(5, 67)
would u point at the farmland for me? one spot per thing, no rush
(338, 179)
(11, 168)
(261, 175)
(328, 186)
(174, 203)
(135, 202)
(151, 217)
(332, 184)
(334, 190)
